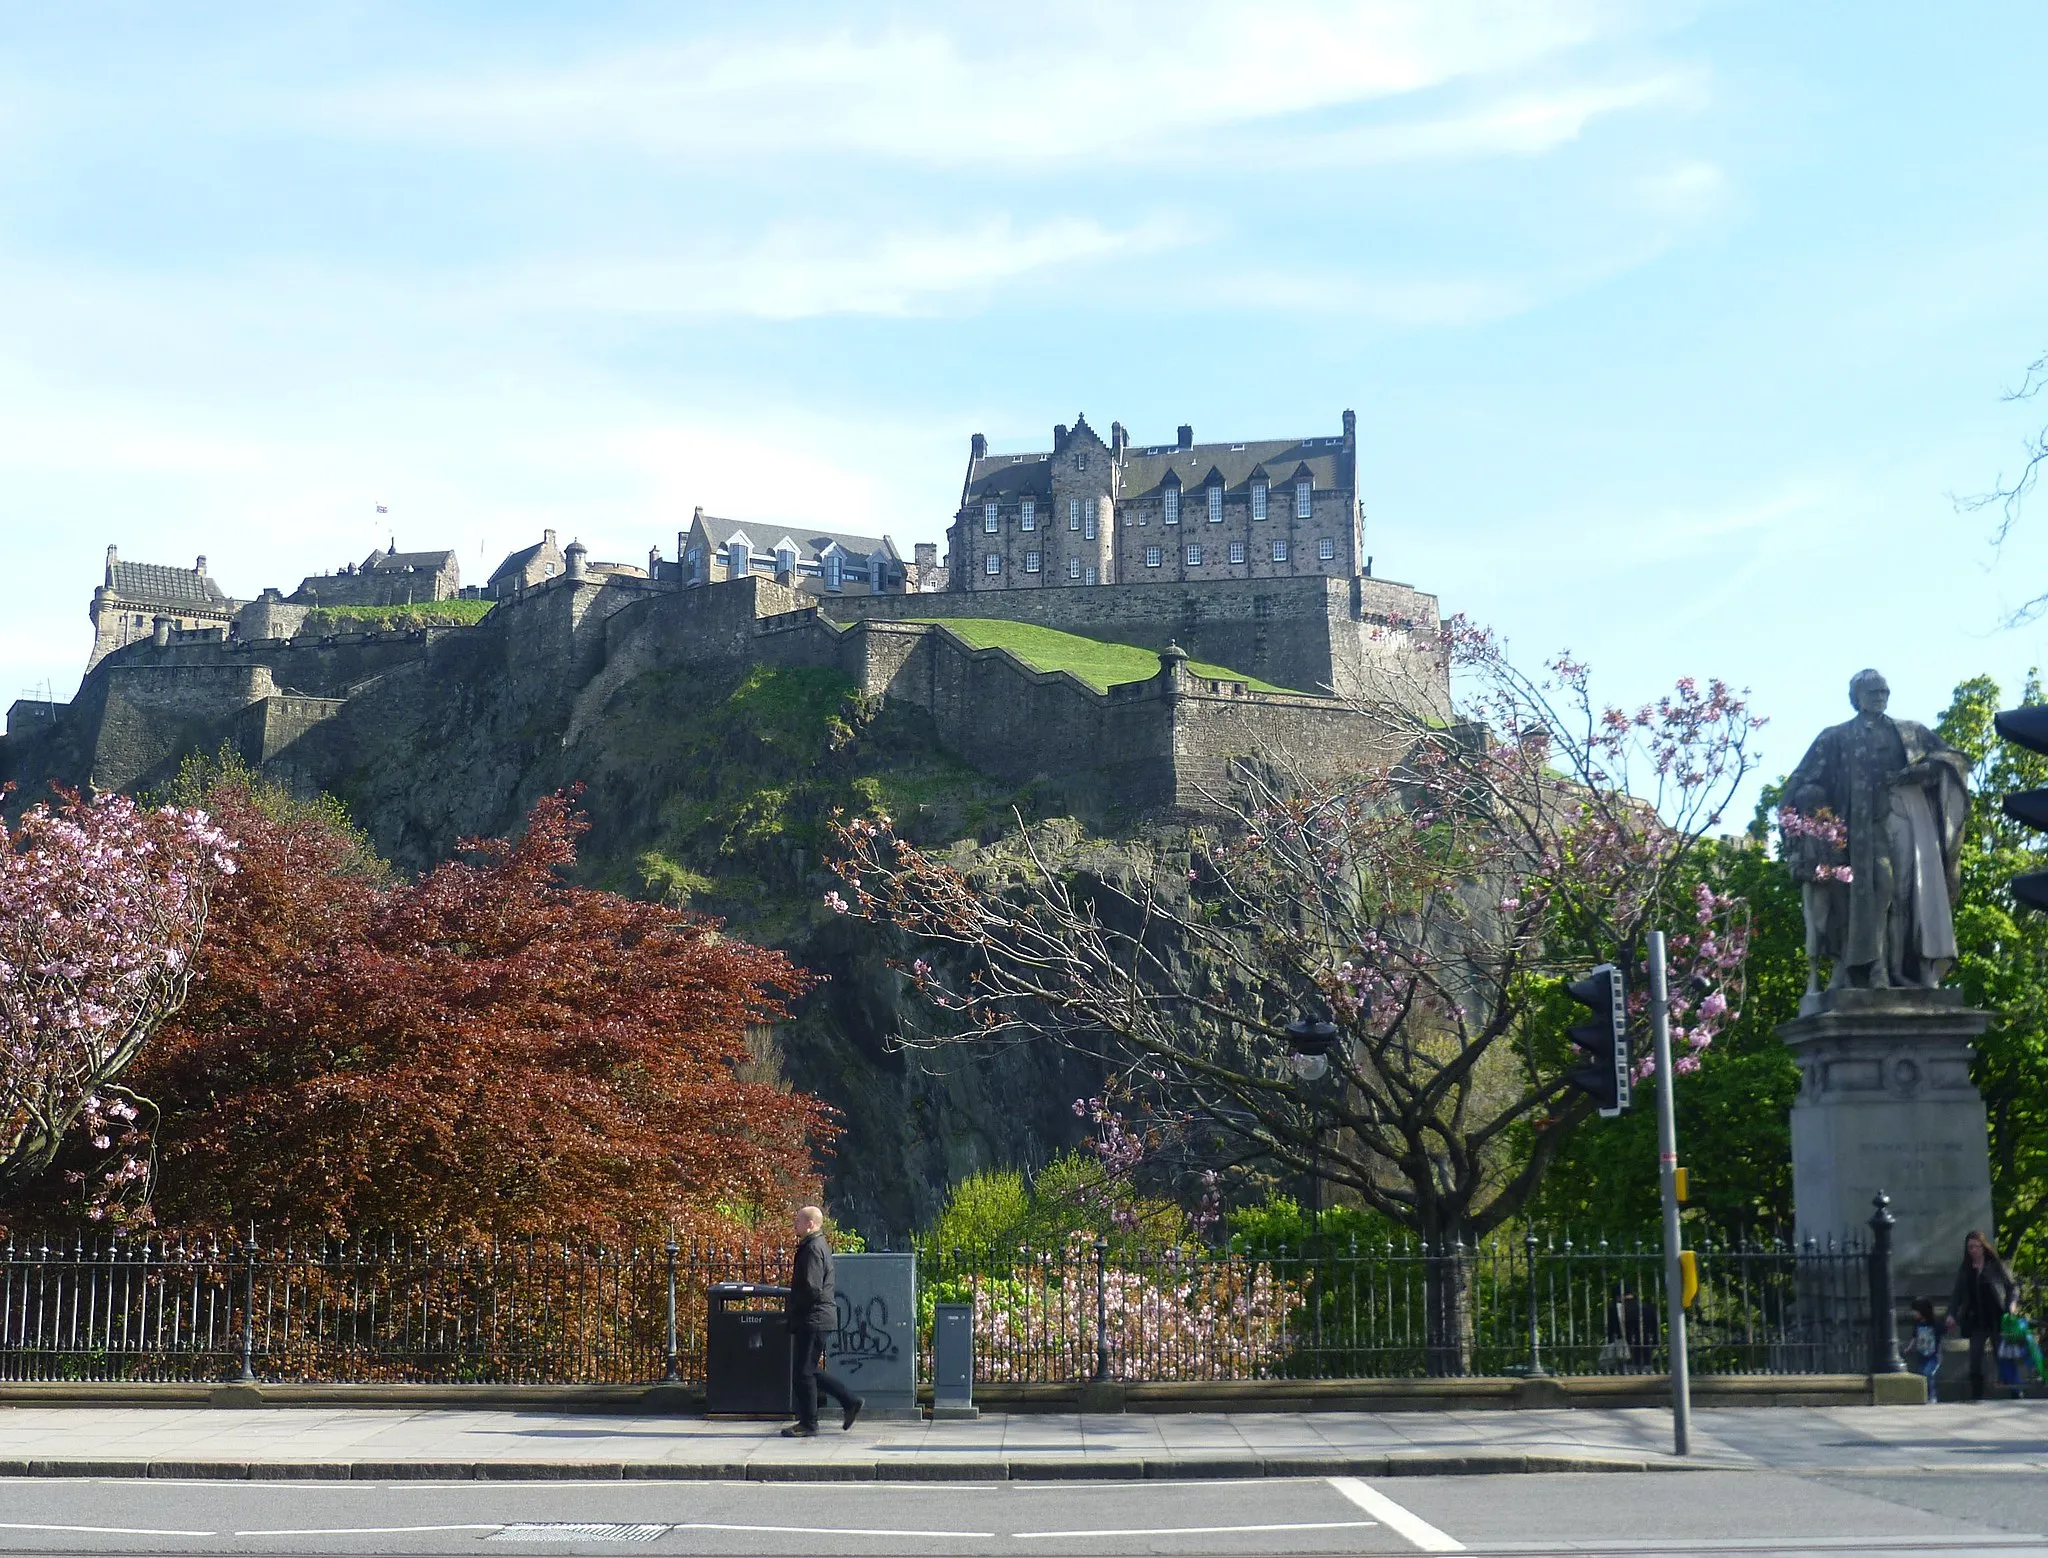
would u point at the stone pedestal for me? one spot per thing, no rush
(1886, 1103)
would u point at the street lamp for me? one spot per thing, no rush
(1310, 1040)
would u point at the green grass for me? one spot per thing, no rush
(421, 614)
(1101, 665)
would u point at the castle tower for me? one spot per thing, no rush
(1083, 506)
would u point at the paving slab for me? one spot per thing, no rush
(396, 1443)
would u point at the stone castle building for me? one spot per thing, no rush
(386, 578)
(126, 607)
(818, 562)
(1090, 512)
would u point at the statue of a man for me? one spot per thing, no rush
(1872, 820)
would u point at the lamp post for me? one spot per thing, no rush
(1310, 1040)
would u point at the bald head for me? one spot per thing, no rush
(809, 1219)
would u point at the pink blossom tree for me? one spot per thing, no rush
(102, 906)
(1426, 903)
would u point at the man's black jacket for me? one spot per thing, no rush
(812, 1300)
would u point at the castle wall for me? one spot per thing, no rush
(1353, 635)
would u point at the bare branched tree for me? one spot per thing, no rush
(1423, 904)
(2008, 499)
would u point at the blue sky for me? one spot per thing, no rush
(1671, 328)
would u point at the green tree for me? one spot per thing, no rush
(2002, 965)
(1733, 1113)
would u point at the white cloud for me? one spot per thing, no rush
(1070, 81)
(802, 271)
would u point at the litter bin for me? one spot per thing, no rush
(746, 1351)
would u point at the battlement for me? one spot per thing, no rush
(551, 653)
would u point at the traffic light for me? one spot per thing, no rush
(2027, 727)
(1604, 1038)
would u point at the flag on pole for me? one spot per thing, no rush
(381, 509)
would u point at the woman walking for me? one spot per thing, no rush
(1984, 1295)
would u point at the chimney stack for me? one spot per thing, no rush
(1350, 428)
(547, 538)
(200, 567)
(1059, 437)
(1119, 439)
(977, 446)
(1187, 436)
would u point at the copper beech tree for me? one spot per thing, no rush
(486, 1052)
(1426, 902)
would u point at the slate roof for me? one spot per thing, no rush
(390, 562)
(810, 544)
(516, 561)
(1008, 477)
(157, 585)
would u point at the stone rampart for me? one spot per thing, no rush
(1360, 638)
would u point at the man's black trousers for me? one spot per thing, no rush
(808, 1379)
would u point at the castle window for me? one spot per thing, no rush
(1258, 500)
(1279, 551)
(1194, 555)
(1081, 462)
(549, 570)
(992, 564)
(1073, 513)
(1027, 515)
(1301, 496)
(1032, 561)
(991, 520)
(1172, 499)
(1153, 557)
(1088, 525)
(1091, 576)
(736, 559)
(1237, 551)
(1215, 503)
(834, 571)
(1326, 549)
(1073, 568)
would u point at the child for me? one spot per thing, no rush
(1926, 1349)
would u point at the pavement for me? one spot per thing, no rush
(394, 1444)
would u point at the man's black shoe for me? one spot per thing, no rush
(798, 1431)
(853, 1412)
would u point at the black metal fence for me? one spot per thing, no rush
(110, 1308)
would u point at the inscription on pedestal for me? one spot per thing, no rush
(1886, 1103)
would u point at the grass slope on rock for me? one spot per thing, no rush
(1100, 664)
(408, 618)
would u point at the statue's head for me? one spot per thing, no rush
(1869, 692)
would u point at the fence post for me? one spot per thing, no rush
(1536, 1369)
(1884, 1330)
(1101, 1311)
(249, 1310)
(675, 1362)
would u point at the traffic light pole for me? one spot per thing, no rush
(1667, 1174)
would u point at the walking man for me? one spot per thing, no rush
(812, 1312)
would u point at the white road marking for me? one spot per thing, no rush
(708, 1525)
(1300, 1525)
(474, 1525)
(1406, 1522)
(9, 1525)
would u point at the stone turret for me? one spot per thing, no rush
(576, 560)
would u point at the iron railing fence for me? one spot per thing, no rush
(1401, 1310)
(199, 1309)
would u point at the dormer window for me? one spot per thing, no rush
(1027, 515)
(1215, 502)
(1172, 500)
(991, 518)
(1258, 500)
(835, 574)
(736, 558)
(1302, 489)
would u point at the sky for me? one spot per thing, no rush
(1675, 331)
